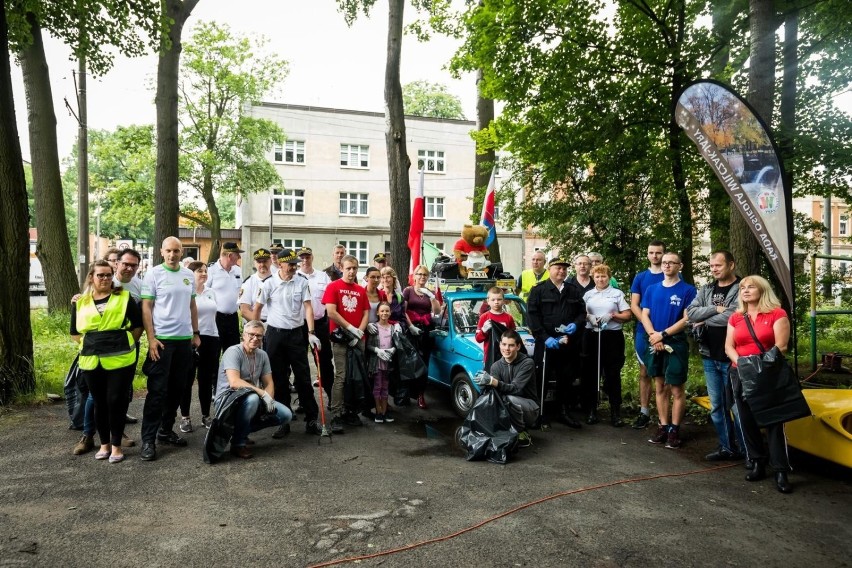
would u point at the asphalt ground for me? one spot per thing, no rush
(600, 497)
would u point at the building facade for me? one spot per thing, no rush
(334, 167)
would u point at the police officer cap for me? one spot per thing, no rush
(289, 256)
(305, 251)
(558, 261)
(380, 257)
(262, 254)
(275, 248)
(231, 247)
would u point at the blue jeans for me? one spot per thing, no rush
(721, 404)
(89, 416)
(246, 419)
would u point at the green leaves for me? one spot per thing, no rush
(422, 98)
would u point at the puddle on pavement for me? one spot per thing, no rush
(441, 430)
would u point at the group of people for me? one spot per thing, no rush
(577, 324)
(190, 313)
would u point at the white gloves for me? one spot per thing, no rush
(486, 327)
(604, 319)
(397, 328)
(591, 319)
(270, 403)
(372, 329)
(414, 330)
(355, 331)
(314, 341)
(385, 354)
(426, 292)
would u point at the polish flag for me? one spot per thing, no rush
(415, 232)
(488, 210)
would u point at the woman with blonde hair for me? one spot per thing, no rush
(758, 325)
(107, 323)
(420, 306)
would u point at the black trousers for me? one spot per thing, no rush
(206, 367)
(755, 448)
(109, 390)
(325, 356)
(228, 326)
(611, 363)
(288, 349)
(561, 365)
(166, 382)
(424, 344)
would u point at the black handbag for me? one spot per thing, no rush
(769, 385)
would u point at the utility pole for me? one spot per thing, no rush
(82, 175)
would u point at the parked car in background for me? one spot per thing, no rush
(457, 357)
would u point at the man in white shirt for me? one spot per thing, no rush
(318, 281)
(225, 277)
(251, 285)
(287, 298)
(171, 325)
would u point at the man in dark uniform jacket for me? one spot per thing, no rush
(556, 311)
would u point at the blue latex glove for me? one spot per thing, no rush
(567, 329)
(551, 343)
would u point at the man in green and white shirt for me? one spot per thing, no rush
(171, 324)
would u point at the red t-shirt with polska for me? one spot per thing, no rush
(349, 299)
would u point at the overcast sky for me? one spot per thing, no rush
(331, 65)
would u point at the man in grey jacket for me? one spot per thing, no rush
(514, 377)
(709, 314)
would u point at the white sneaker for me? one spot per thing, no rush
(185, 424)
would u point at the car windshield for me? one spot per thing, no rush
(466, 313)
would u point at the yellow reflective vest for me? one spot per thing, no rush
(100, 342)
(528, 280)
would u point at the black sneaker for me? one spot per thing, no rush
(351, 419)
(282, 431)
(171, 438)
(149, 452)
(336, 425)
(641, 421)
(723, 454)
(661, 436)
(313, 427)
(673, 441)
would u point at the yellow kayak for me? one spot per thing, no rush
(827, 432)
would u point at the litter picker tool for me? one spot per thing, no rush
(326, 432)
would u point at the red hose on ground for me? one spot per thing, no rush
(515, 510)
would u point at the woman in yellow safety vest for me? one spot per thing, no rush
(107, 323)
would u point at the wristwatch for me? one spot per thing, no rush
(664, 333)
(196, 332)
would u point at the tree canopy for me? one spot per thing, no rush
(423, 98)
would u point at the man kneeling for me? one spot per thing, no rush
(244, 368)
(514, 377)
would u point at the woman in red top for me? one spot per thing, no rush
(771, 325)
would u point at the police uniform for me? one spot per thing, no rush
(226, 284)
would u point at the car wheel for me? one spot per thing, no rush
(464, 395)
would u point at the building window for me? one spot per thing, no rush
(288, 201)
(358, 249)
(354, 156)
(278, 153)
(294, 244)
(434, 207)
(439, 246)
(844, 225)
(192, 251)
(294, 152)
(431, 161)
(353, 203)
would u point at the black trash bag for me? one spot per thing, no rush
(769, 387)
(76, 392)
(487, 432)
(493, 340)
(445, 267)
(407, 359)
(356, 382)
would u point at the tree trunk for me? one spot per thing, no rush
(215, 219)
(398, 162)
(484, 162)
(761, 81)
(718, 201)
(16, 337)
(678, 177)
(787, 129)
(53, 247)
(166, 206)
